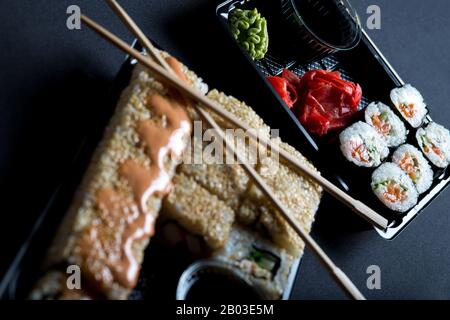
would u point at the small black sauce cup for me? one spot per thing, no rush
(216, 281)
(320, 27)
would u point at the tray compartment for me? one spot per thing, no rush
(364, 64)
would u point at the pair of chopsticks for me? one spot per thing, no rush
(160, 68)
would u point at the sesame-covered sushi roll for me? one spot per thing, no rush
(363, 145)
(394, 188)
(387, 124)
(413, 163)
(434, 140)
(409, 102)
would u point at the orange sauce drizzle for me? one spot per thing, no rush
(106, 247)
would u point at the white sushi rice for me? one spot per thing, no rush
(362, 145)
(389, 181)
(410, 97)
(434, 140)
(387, 124)
(413, 163)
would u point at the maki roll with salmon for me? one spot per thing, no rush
(387, 124)
(409, 102)
(414, 164)
(363, 145)
(434, 140)
(394, 188)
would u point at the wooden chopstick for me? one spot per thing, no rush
(357, 206)
(338, 275)
(140, 35)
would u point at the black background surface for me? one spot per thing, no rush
(51, 78)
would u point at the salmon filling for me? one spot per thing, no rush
(409, 164)
(408, 110)
(379, 122)
(360, 153)
(394, 192)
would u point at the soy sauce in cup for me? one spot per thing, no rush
(213, 280)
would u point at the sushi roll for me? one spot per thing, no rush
(409, 102)
(362, 145)
(413, 163)
(384, 120)
(394, 188)
(434, 140)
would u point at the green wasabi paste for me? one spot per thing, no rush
(249, 28)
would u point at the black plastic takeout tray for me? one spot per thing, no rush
(364, 64)
(163, 265)
(161, 270)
